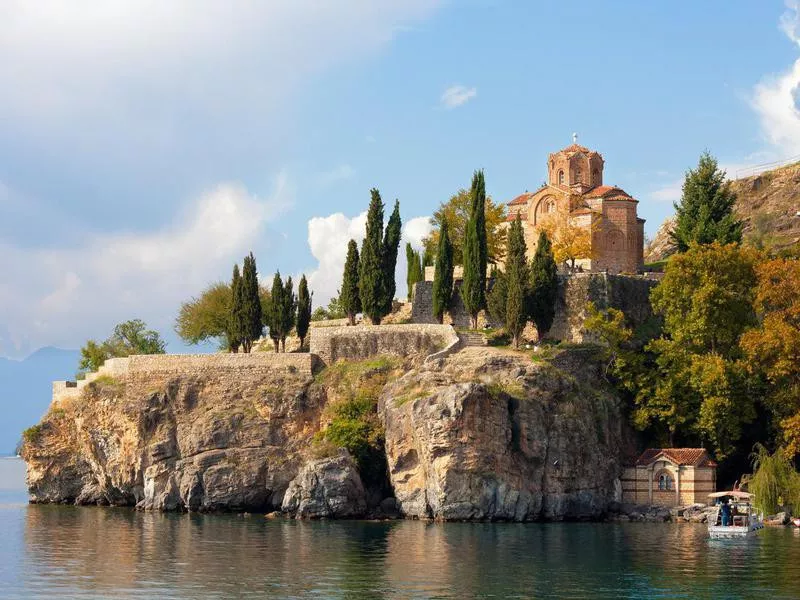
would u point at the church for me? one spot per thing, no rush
(608, 213)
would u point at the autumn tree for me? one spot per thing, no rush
(303, 310)
(772, 348)
(443, 275)
(349, 300)
(543, 286)
(705, 211)
(517, 283)
(570, 240)
(455, 212)
(475, 252)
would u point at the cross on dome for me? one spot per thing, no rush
(574, 138)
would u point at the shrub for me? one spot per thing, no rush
(31, 434)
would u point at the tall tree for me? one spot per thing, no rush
(517, 291)
(129, 337)
(473, 287)
(543, 285)
(705, 211)
(497, 296)
(303, 310)
(349, 298)
(288, 311)
(370, 282)
(251, 304)
(443, 275)
(207, 316)
(235, 319)
(275, 321)
(456, 212)
(413, 269)
(391, 244)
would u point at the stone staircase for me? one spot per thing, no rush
(472, 338)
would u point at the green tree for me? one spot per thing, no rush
(129, 337)
(517, 290)
(206, 317)
(705, 211)
(473, 286)
(775, 483)
(236, 317)
(251, 320)
(349, 298)
(414, 272)
(288, 311)
(443, 275)
(303, 310)
(544, 286)
(455, 212)
(371, 278)
(391, 245)
(497, 296)
(275, 321)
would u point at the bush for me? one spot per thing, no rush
(31, 434)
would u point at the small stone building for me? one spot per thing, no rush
(670, 477)
(575, 184)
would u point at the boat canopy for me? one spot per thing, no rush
(731, 494)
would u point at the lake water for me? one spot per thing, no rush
(69, 552)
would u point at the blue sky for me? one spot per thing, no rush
(145, 146)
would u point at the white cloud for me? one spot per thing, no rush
(669, 193)
(61, 296)
(775, 98)
(328, 238)
(457, 95)
(335, 175)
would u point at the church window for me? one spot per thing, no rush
(596, 177)
(665, 482)
(561, 177)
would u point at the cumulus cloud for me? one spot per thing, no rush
(340, 173)
(457, 95)
(62, 295)
(775, 98)
(328, 238)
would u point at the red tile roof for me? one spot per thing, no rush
(512, 216)
(697, 457)
(604, 191)
(521, 199)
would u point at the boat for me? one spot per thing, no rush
(796, 521)
(745, 519)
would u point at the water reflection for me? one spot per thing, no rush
(101, 552)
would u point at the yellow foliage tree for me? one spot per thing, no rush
(570, 240)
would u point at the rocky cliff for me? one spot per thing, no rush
(768, 204)
(481, 434)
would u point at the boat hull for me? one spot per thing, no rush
(731, 531)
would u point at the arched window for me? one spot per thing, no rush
(596, 177)
(577, 176)
(561, 177)
(665, 482)
(549, 206)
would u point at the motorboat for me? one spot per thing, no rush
(743, 520)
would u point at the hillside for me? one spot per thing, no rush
(767, 203)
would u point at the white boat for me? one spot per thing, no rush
(744, 520)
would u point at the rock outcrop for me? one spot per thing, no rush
(327, 488)
(484, 435)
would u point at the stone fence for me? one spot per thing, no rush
(149, 365)
(362, 341)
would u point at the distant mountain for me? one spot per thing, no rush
(768, 204)
(26, 389)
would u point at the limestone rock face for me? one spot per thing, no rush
(482, 435)
(326, 488)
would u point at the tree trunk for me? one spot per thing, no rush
(283, 345)
(302, 343)
(277, 347)
(351, 319)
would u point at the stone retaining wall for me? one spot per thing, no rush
(363, 341)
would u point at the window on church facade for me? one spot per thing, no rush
(561, 177)
(665, 482)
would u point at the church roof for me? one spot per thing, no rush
(606, 191)
(575, 148)
(696, 457)
(521, 199)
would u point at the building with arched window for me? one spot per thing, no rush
(575, 185)
(670, 477)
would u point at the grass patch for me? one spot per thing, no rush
(32, 434)
(655, 267)
(506, 389)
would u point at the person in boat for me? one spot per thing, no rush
(725, 512)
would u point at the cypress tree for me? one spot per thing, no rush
(497, 296)
(303, 310)
(443, 275)
(370, 282)
(705, 212)
(543, 285)
(415, 273)
(473, 287)
(234, 333)
(517, 282)
(276, 311)
(251, 304)
(288, 311)
(349, 298)
(391, 244)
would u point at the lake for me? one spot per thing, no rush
(71, 552)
